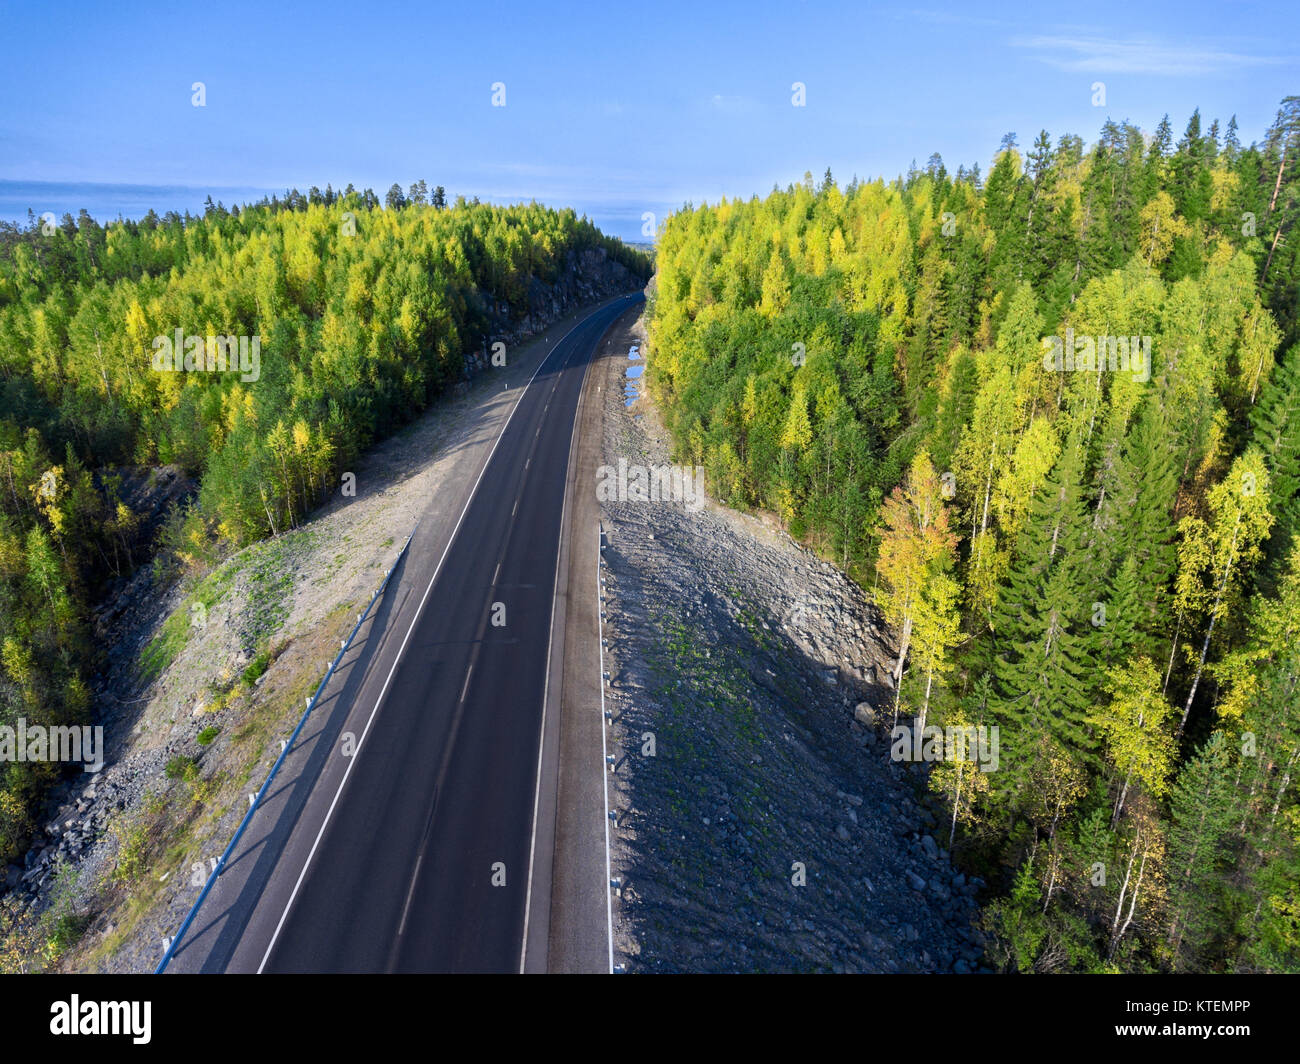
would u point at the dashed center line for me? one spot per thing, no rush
(410, 894)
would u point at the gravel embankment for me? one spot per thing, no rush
(752, 663)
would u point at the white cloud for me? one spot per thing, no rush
(1136, 56)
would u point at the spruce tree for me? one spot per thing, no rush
(1046, 649)
(1200, 840)
(1276, 423)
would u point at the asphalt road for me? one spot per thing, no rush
(425, 854)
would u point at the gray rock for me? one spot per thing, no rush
(917, 883)
(930, 847)
(864, 713)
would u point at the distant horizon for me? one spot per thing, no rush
(108, 202)
(615, 115)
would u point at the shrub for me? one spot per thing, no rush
(132, 852)
(182, 767)
(256, 668)
(67, 929)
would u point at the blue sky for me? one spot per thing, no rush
(613, 109)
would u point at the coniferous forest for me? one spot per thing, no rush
(1050, 415)
(362, 316)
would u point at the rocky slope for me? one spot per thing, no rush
(757, 669)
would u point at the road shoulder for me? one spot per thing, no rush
(578, 919)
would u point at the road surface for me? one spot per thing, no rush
(428, 849)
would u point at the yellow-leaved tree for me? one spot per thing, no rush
(1135, 729)
(1213, 556)
(916, 554)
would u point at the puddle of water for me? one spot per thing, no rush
(630, 390)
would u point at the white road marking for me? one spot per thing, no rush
(604, 753)
(546, 684)
(410, 893)
(356, 753)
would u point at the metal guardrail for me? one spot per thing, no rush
(256, 799)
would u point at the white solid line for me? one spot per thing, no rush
(469, 672)
(401, 929)
(356, 753)
(604, 754)
(496, 574)
(516, 508)
(546, 684)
